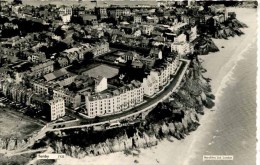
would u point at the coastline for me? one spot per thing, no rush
(224, 77)
(190, 145)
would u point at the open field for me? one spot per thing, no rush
(12, 125)
(15, 160)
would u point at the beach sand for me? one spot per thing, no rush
(221, 67)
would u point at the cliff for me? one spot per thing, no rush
(230, 28)
(12, 143)
(204, 45)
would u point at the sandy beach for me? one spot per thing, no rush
(220, 66)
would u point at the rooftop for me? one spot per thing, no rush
(89, 17)
(42, 65)
(56, 74)
(115, 92)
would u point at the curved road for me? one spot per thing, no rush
(150, 103)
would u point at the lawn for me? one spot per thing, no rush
(16, 125)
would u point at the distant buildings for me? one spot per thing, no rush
(37, 57)
(137, 18)
(146, 36)
(66, 18)
(156, 53)
(182, 48)
(148, 62)
(117, 11)
(42, 69)
(78, 53)
(100, 48)
(89, 19)
(65, 10)
(101, 12)
(147, 29)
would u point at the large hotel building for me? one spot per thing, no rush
(115, 101)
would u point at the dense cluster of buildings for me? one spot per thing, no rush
(37, 64)
(53, 108)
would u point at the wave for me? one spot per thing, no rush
(233, 62)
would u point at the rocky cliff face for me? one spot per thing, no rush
(12, 143)
(122, 143)
(204, 45)
(230, 29)
(139, 140)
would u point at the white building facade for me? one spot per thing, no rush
(118, 100)
(151, 84)
(57, 108)
(100, 84)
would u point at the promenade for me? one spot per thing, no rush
(149, 104)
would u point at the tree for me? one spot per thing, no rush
(60, 32)
(88, 57)
(56, 65)
(75, 63)
(17, 2)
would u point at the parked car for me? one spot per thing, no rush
(2, 105)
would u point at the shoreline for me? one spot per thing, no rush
(186, 146)
(218, 86)
(156, 154)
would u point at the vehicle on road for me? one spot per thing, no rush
(114, 125)
(2, 105)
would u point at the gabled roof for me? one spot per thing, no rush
(42, 65)
(56, 74)
(155, 51)
(89, 17)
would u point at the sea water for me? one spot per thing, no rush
(233, 128)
